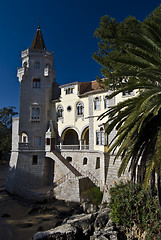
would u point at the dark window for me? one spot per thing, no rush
(69, 90)
(60, 111)
(35, 114)
(37, 65)
(84, 161)
(69, 159)
(96, 103)
(69, 108)
(80, 109)
(36, 83)
(34, 160)
(48, 141)
(106, 102)
(127, 93)
(97, 162)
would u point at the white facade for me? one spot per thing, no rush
(57, 139)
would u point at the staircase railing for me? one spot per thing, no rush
(86, 174)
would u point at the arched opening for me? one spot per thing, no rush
(69, 159)
(24, 137)
(84, 161)
(70, 139)
(85, 139)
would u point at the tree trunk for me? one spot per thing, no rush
(152, 183)
(159, 189)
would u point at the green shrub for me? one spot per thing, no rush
(139, 207)
(94, 195)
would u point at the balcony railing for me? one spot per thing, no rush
(72, 147)
(23, 145)
(35, 118)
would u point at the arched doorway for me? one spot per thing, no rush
(85, 139)
(70, 139)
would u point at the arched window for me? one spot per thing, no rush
(24, 137)
(35, 113)
(80, 109)
(84, 161)
(37, 65)
(69, 90)
(60, 111)
(105, 102)
(97, 103)
(36, 83)
(100, 137)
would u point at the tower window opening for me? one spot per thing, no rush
(37, 141)
(34, 160)
(37, 65)
(35, 114)
(48, 141)
(24, 137)
(36, 83)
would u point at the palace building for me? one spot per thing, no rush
(57, 140)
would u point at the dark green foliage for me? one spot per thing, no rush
(94, 195)
(130, 53)
(139, 207)
(6, 114)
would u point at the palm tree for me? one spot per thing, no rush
(136, 66)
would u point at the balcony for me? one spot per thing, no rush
(23, 145)
(22, 72)
(72, 147)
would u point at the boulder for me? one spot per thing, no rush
(102, 218)
(63, 232)
(84, 222)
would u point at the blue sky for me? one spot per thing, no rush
(68, 28)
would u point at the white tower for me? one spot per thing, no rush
(37, 78)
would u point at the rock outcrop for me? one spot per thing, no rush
(91, 226)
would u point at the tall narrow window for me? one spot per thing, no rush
(80, 109)
(36, 83)
(34, 160)
(24, 137)
(37, 141)
(35, 114)
(84, 161)
(102, 135)
(60, 111)
(98, 138)
(97, 103)
(37, 65)
(97, 162)
(105, 102)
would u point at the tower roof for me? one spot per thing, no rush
(38, 42)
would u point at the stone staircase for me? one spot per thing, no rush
(63, 163)
(73, 169)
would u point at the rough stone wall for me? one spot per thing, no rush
(78, 156)
(68, 190)
(112, 177)
(72, 189)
